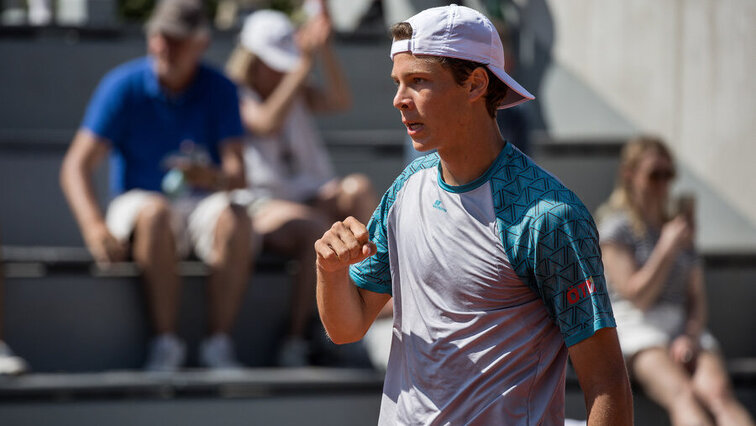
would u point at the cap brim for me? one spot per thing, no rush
(516, 95)
(277, 59)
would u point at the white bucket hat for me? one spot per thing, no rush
(270, 36)
(462, 33)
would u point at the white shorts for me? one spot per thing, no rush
(193, 219)
(657, 327)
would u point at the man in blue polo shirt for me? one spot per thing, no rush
(172, 127)
(493, 265)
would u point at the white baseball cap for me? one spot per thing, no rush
(269, 34)
(462, 33)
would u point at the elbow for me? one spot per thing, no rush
(343, 339)
(262, 125)
(341, 335)
(67, 168)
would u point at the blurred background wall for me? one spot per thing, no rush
(682, 69)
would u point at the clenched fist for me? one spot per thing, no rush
(344, 244)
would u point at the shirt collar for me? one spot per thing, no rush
(155, 90)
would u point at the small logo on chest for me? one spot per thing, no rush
(439, 206)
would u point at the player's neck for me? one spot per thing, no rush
(474, 153)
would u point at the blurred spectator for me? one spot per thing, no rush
(657, 287)
(168, 111)
(9, 362)
(294, 195)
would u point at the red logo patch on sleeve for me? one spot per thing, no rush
(579, 291)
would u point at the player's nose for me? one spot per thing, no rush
(402, 100)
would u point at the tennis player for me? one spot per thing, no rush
(494, 266)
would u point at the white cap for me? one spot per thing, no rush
(462, 33)
(270, 36)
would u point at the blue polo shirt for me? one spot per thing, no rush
(145, 125)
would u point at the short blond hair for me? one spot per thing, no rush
(238, 65)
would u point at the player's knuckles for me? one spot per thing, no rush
(355, 251)
(361, 234)
(343, 253)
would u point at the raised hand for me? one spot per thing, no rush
(345, 243)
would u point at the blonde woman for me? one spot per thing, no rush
(293, 193)
(656, 282)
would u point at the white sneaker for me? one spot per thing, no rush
(10, 364)
(217, 352)
(294, 352)
(167, 353)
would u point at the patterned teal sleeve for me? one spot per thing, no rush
(567, 270)
(552, 245)
(374, 273)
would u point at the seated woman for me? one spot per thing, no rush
(293, 195)
(656, 283)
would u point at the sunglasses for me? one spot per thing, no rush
(659, 175)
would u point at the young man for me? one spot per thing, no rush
(148, 111)
(493, 264)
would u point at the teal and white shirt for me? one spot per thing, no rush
(491, 281)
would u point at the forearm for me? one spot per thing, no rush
(229, 180)
(614, 407)
(601, 371)
(268, 117)
(231, 175)
(697, 310)
(341, 307)
(338, 89)
(648, 282)
(79, 191)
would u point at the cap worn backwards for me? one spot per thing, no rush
(462, 33)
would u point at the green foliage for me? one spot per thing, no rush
(139, 10)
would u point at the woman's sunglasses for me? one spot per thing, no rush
(659, 175)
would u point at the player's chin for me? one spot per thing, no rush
(421, 144)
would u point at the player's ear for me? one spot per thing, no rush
(477, 84)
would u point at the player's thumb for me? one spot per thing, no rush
(369, 249)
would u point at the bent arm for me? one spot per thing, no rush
(266, 117)
(640, 285)
(697, 310)
(84, 155)
(346, 310)
(336, 96)
(603, 378)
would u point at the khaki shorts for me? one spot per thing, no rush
(193, 219)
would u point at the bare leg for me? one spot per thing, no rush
(230, 268)
(351, 196)
(667, 383)
(292, 229)
(712, 386)
(155, 253)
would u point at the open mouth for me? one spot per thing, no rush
(413, 126)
